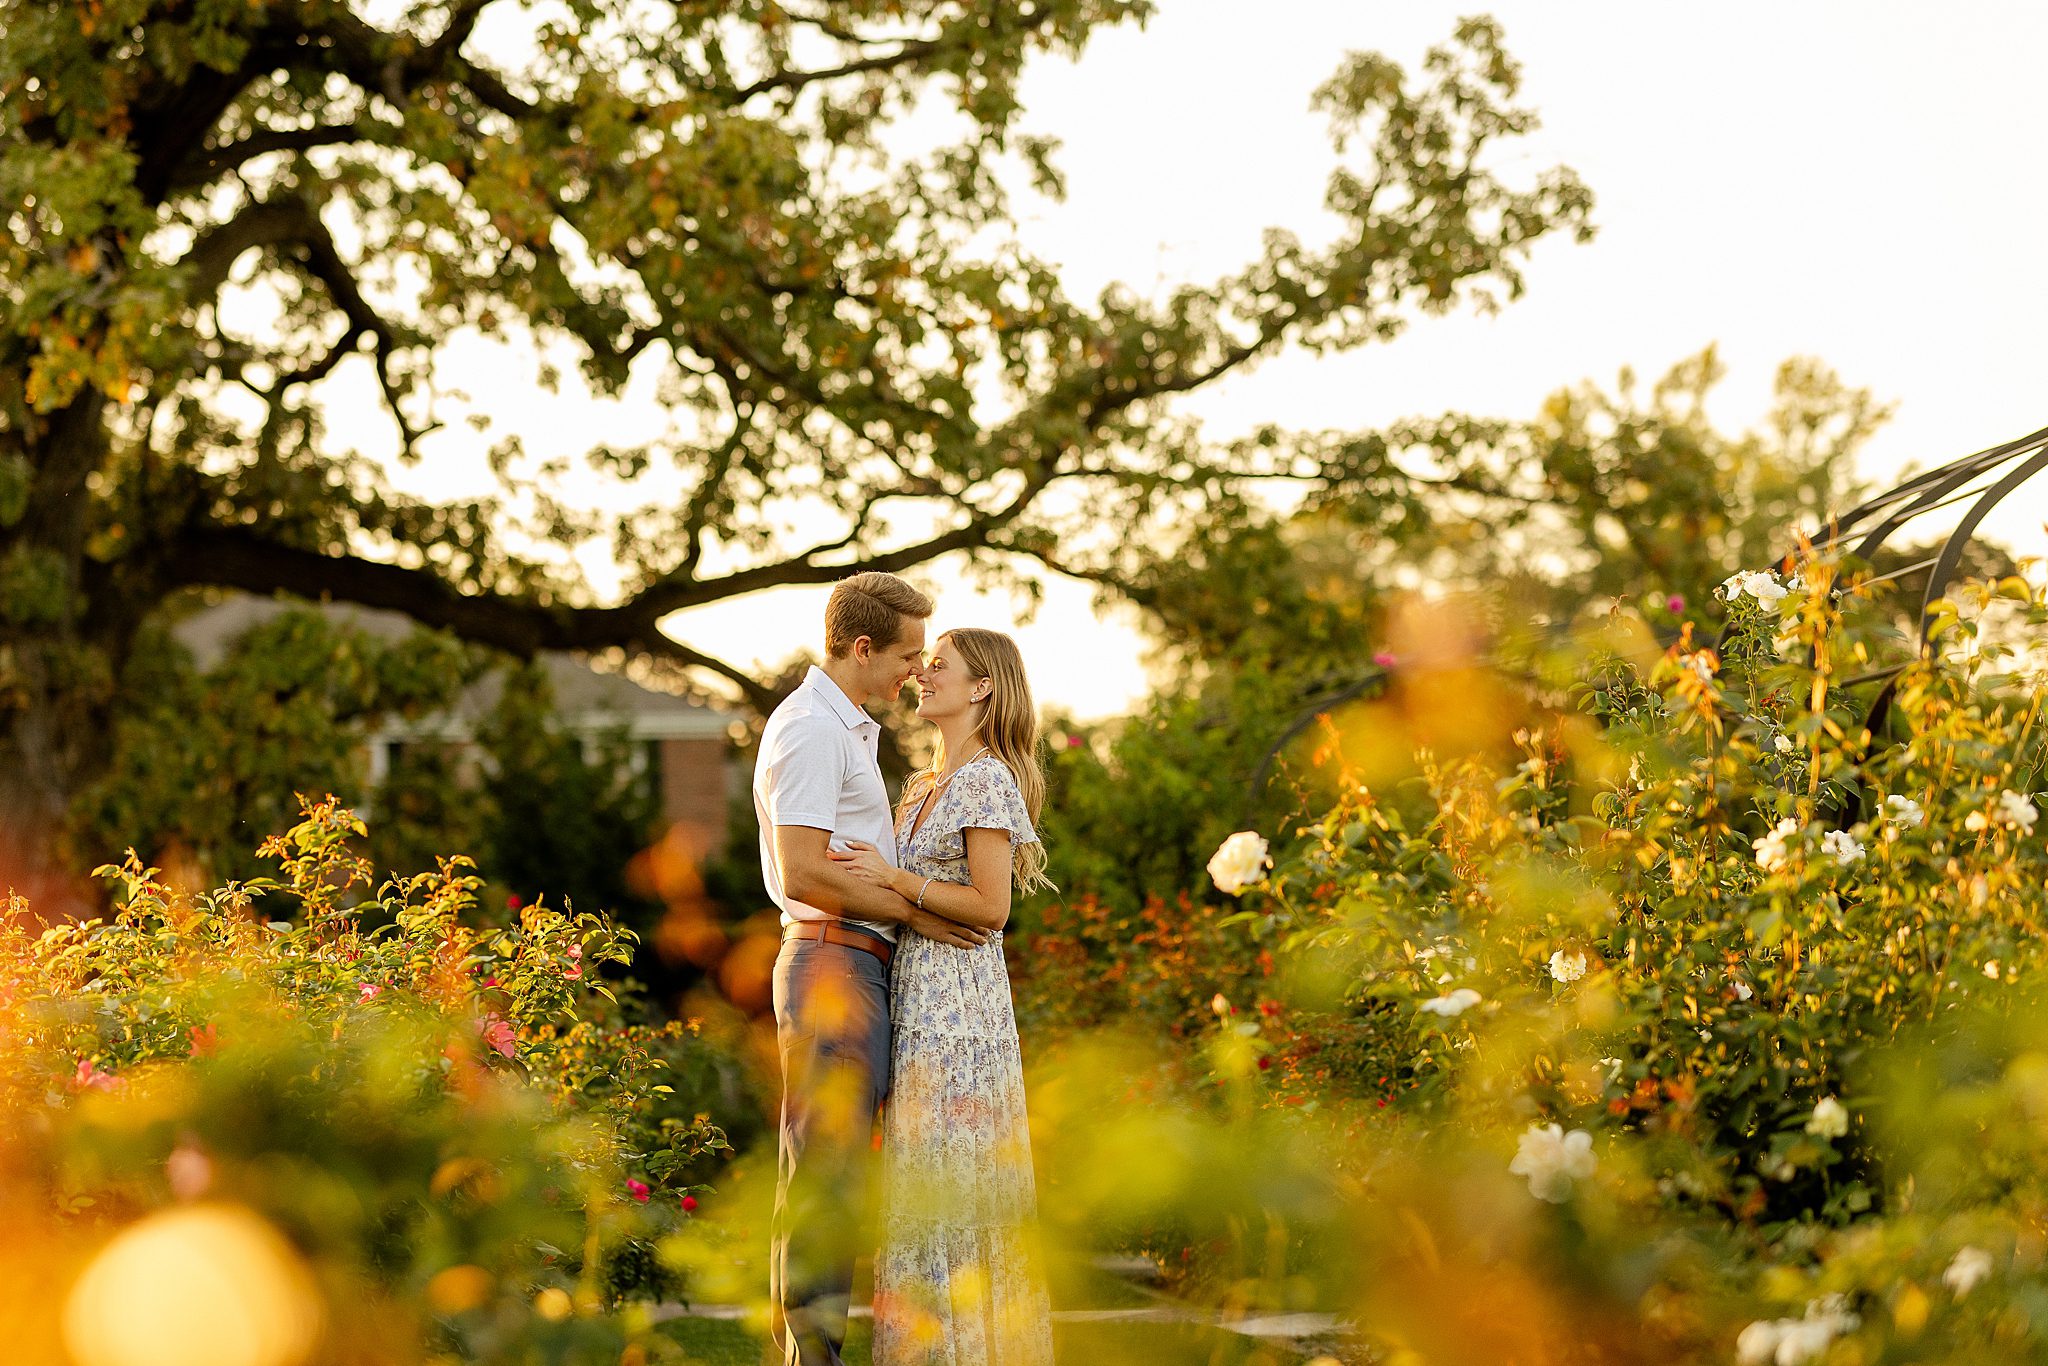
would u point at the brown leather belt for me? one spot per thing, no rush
(827, 932)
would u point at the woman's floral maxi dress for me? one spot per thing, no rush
(956, 1283)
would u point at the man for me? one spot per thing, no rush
(817, 784)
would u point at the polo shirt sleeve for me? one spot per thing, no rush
(805, 770)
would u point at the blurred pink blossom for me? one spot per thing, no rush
(189, 1171)
(90, 1078)
(497, 1033)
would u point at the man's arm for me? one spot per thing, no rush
(983, 903)
(809, 875)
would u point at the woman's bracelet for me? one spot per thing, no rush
(921, 891)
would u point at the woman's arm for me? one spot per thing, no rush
(984, 905)
(812, 874)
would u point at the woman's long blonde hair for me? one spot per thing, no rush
(1009, 727)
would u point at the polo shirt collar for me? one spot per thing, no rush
(836, 698)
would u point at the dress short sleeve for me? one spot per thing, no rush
(985, 797)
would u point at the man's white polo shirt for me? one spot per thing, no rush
(818, 767)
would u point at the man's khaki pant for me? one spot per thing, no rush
(832, 1025)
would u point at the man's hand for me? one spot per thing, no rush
(944, 931)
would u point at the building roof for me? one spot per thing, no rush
(587, 700)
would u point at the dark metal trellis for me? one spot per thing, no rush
(1875, 520)
(1983, 480)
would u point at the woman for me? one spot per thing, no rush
(955, 1282)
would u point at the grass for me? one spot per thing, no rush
(718, 1342)
(1074, 1285)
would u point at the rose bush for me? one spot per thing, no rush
(1744, 993)
(445, 1139)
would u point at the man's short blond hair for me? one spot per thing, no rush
(874, 605)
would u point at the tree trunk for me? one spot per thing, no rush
(50, 739)
(56, 672)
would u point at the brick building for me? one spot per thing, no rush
(686, 747)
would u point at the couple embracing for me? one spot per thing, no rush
(890, 984)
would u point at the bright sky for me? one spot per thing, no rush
(1852, 180)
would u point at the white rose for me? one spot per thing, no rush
(1782, 744)
(1758, 1344)
(2015, 809)
(1904, 811)
(1804, 1340)
(1552, 1160)
(1792, 1342)
(1991, 969)
(1772, 853)
(1452, 1003)
(1829, 1119)
(1238, 862)
(1763, 585)
(1567, 967)
(1845, 847)
(1971, 1265)
(1731, 588)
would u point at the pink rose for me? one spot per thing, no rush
(1384, 659)
(497, 1033)
(90, 1078)
(639, 1190)
(368, 991)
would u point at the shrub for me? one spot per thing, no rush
(407, 1120)
(1698, 1021)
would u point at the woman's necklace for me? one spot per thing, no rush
(957, 767)
(938, 786)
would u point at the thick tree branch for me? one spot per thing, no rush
(172, 122)
(202, 167)
(671, 595)
(881, 61)
(236, 558)
(267, 223)
(963, 32)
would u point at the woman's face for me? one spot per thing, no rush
(947, 688)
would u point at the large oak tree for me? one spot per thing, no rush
(710, 188)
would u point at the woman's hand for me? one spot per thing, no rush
(865, 862)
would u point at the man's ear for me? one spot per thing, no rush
(863, 647)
